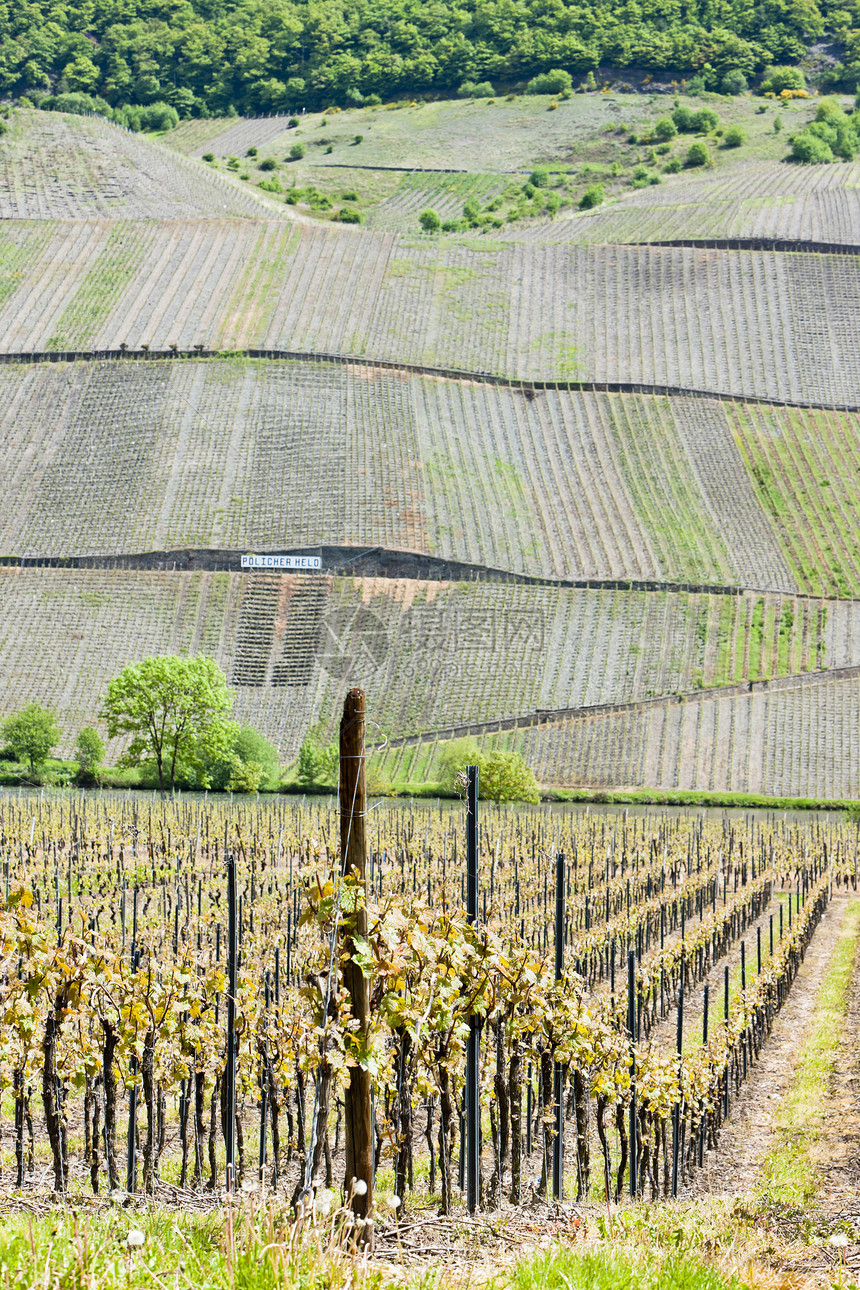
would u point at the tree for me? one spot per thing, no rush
(172, 707)
(698, 155)
(505, 777)
(453, 760)
(32, 734)
(734, 83)
(241, 761)
(296, 152)
(89, 751)
(665, 128)
(734, 137)
(429, 221)
(592, 197)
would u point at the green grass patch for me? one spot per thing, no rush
(562, 1268)
(789, 1171)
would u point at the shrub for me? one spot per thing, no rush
(810, 149)
(539, 178)
(734, 137)
(471, 90)
(592, 197)
(292, 123)
(89, 753)
(296, 152)
(32, 733)
(209, 156)
(705, 120)
(158, 116)
(429, 221)
(733, 82)
(347, 216)
(552, 82)
(350, 196)
(682, 119)
(252, 152)
(777, 79)
(272, 185)
(665, 128)
(268, 163)
(698, 155)
(357, 139)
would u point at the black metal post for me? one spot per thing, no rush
(473, 1093)
(230, 1071)
(631, 1031)
(676, 1112)
(558, 1070)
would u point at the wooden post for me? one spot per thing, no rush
(353, 851)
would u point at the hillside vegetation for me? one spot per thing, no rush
(564, 475)
(255, 56)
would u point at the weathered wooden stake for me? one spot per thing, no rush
(353, 851)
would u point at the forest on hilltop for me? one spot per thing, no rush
(213, 56)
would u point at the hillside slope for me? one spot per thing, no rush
(588, 476)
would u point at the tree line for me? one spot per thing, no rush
(173, 712)
(259, 56)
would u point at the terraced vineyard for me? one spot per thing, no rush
(428, 412)
(57, 167)
(686, 318)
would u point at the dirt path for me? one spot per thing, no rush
(749, 1134)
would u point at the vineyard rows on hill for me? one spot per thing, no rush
(800, 203)
(446, 194)
(57, 167)
(685, 317)
(798, 738)
(116, 914)
(289, 643)
(122, 457)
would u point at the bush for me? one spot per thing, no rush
(733, 83)
(347, 216)
(296, 152)
(292, 123)
(810, 149)
(453, 760)
(539, 178)
(698, 155)
(429, 221)
(357, 139)
(32, 733)
(552, 82)
(268, 163)
(665, 128)
(682, 119)
(777, 79)
(734, 137)
(471, 90)
(209, 156)
(158, 116)
(505, 777)
(245, 763)
(272, 185)
(252, 152)
(89, 753)
(705, 120)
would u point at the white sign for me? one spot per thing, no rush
(281, 562)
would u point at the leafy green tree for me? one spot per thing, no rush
(698, 155)
(429, 221)
(777, 79)
(505, 777)
(734, 82)
(810, 149)
(89, 754)
(296, 152)
(241, 761)
(32, 734)
(734, 137)
(174, 709)
(553, 82)
(665, 128)
(592, 197)
(453, 760)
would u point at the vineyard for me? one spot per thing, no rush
(636, 314)
(56, 167)
(118, 1016)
